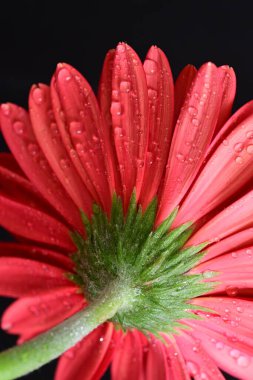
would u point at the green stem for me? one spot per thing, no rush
(20, 360)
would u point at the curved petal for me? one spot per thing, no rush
(198, 362)
(105, 100)
(28, 317)
(82, 362)
(17, 130)
(25, 277)
(229, 345)
(156, 365)
(160, 118)
(236, 217)
(129, 109)
(182, 87)
(233, 242)
(8, 161)
(49, 139)
(176, 362)
(193, 134)
(36, 253)
(80, 124)
(212, 187)
(33, 224)
(128, 358)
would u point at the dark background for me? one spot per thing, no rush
(36, 35)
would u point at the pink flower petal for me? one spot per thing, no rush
(128, 358)
(83, 361)
(198, 362)
(28, 317)
(80, 125)
(182, 87)
(105, 99)
(36, 253)
(31, 223)
(129, 109)
(234, 157)
(225, 336)
(160, 114)
(193, 134)
(236, 217)
(17, 130)
(156, 364)
(25, 277)
(176, 363)
(49, 139)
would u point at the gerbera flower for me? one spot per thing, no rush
(132, 212)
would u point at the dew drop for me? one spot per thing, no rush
(249, 135)
(238, 147)
(95, 138)
(101, 339)
(234, 353)
(76, 128)
(125, 86)
(149, 67)
(239, 309)
(116, 109)
(232, 291)
(243, 361)
(195, 349)
(80, 149)
(64, 163)
(19, 127)
(33, 149)
(38, 95)
(239, 160)
(219, 346)
(118, 132)
(152, 94)
(192, 111)
(234, 255)
(225, 142)
(195, 122)
(140, 163)
(192, 368)
(180, 157)
(6, 109)
(249, 149)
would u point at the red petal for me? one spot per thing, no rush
(227, 170)
(80, 123)
(240, 239)
(182, 87)
(82, 362)
(129, 109)
(236, 217)
(198, 363)
(227, 344)
(17, 130)
(176, 363)
(105, 99)
(30, 316)
(193, 133)
(229, 89)
(49, 139)
(30, 223)
(8, 161)
(25, 277)
(161, 106)
(156, 361)
(36, 253)
(128, 358)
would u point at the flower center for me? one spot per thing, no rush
(151, 265)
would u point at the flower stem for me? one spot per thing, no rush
(20, 360)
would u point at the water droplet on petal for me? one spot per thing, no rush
(239, 160)
(180, 157)
(64, 163)
(232, 291)
(225, 142)
(101, 339)
(239, 309)
(33, 149)
(116, 108)
(238, 147)
(19, 127)
(6, 109)
(192, 368)
(125, 86)
(195, 122)
(150, 67)
(76, 128)
(38, 95)
(234, 255)
(152, 94)
(249, 149)
(249, 135)
(234, 353)
(219, 346)
(140, 163)
(243, 361)
(192, 111)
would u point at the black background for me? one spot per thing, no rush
(34, 36)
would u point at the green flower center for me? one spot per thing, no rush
(151, 265)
